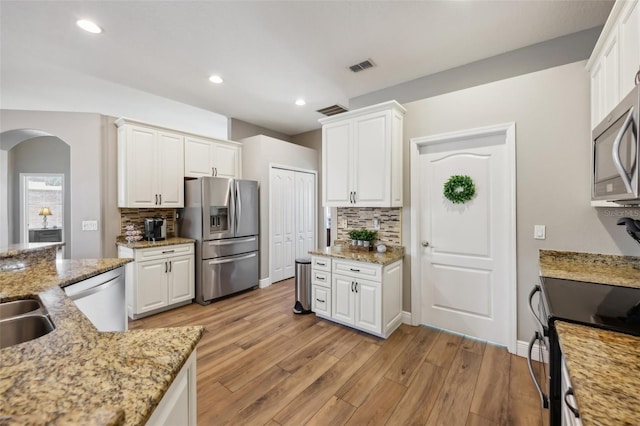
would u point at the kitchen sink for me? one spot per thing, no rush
(22, 321)
(19, 307)
(23, 329)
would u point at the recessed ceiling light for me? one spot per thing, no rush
(300, 102)
(89, 26)
(215, 79)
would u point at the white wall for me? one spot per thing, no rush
(258, 153)
(83, 133)
(551, 112)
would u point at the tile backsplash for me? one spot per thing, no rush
(390, 231)
(136, 217)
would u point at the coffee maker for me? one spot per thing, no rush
(155, 229)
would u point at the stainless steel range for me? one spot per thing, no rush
(603, 306)
(222, 216)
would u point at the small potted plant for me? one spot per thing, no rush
(368, 237)
(354, 235)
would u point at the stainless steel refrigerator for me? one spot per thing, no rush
(222, 216)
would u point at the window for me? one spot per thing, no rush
(40, 191)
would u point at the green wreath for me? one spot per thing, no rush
(459, 189)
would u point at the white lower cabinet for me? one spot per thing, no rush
(178, 405)
(366, 296)
(160, 278)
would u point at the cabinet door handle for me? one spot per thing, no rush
(156, 199)
(170, 265)
(354, 197)
(573, 409)
(352, 286)
(160, 199)
(165, 267)
(356, 286)
(213, 173)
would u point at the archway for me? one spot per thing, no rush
(30, 152)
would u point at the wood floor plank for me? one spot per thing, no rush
(377, 408)
(267, 405)
(248, 335)
(358, 387)
(454, 400)
(311, 399)
(444, 349)
(408, 362)
(416, 405)
(334, 412)
(491, 396)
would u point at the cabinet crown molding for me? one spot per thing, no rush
(609, 26)
(123, 120)
(366, 110)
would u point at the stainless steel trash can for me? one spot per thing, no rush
(303, 286)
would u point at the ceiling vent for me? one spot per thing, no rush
(362, 66)
(332, 110)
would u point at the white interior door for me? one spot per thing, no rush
(305, 211)
(467, 251)
(282, 224)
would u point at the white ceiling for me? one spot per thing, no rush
(271, 53)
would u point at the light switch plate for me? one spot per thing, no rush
(344, 224)
(376, 223)
(539, 232)
(89, 225)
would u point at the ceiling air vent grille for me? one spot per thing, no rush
(362, 66)
(332, 110)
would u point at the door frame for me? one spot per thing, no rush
(508, 130)
(315, 210)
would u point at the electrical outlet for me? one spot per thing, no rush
(89, 225)
(539, 232)
(376, 223)
(343, 223)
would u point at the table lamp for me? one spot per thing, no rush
(44, 212)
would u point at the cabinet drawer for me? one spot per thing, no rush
(162, 252)
(321, 263)
(320, 278)
(321, 300)
(364, 270)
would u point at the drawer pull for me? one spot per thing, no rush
(573, 409)
(321, 301)
(354, 270)
(321, 264)
(168, 251)
(319, 278)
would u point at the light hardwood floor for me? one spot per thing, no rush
(259, 364)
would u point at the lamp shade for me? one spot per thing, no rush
(45, 211)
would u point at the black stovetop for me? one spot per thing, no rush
(598, 305)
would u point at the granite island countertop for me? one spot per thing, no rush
(603, 365)
(604, 372)
(169, 241)
(340, 251)
(76, 374)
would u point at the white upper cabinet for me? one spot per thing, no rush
(615, 59)
(150, 166)
(362, 157)
(211, 157)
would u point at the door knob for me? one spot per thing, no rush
(425, 244)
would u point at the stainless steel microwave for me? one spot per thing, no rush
(616, 154)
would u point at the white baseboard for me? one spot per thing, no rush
(265, 282)
(523, 348)
(406, 318)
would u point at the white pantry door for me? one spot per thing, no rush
(282, 224)
(305, 211)
(467, 251)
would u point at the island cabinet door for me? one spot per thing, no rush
(342, 293)
(368, 312)
(152, 285)
(182, 286)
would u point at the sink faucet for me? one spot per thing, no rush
(633, 227)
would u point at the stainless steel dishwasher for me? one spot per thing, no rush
(102, 300)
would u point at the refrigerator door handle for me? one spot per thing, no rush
(231, 259)
(229, 242)
(238, 207)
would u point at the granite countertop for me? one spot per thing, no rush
(340, 251)
(150, 244)
(76, 374)
(603, 367)
(591, 267)
(13, 250)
